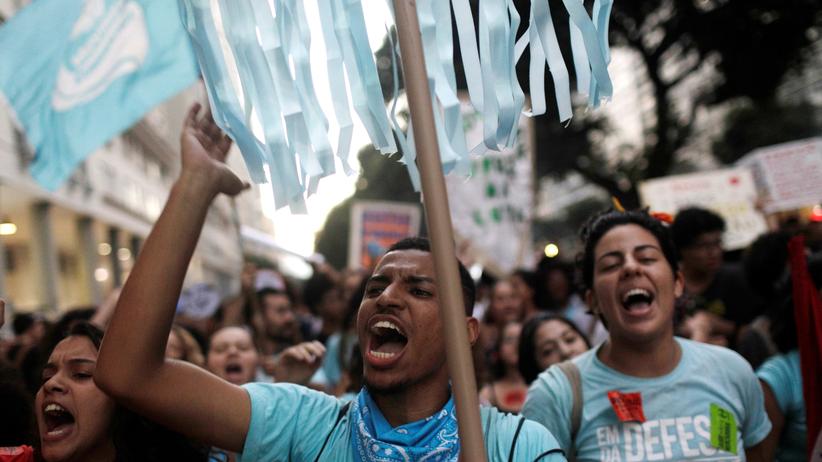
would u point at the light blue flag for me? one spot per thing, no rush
(77, 73)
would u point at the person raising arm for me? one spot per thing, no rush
(131, 365)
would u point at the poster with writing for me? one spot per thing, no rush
(788, 175)
(730, 193)
(492, 210)
(375, 225)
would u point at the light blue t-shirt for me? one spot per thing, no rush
(783, 375)
(676, 408)
(291, 423)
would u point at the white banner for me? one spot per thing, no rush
(788, 175)
(491, 211)
(730, 193)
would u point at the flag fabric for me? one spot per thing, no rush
(808, 316)
(77, 73)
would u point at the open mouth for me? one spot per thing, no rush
(387, 340)
(234, 371)
(58, 420)
(637, 300)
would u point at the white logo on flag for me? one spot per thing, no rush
(113, 42)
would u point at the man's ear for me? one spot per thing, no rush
(473, 329)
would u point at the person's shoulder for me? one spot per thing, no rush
(718, 362)
(707, 352)
(527, 438)
(781, 366)
(286, 393)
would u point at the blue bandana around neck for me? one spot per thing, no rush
(434, 438)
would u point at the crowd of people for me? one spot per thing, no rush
(648, 347)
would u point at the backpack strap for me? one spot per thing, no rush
(516, 437)
(571, 372)
(343, 411)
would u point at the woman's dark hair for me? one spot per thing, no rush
(136, 439)
(599, 224)
(528, 366)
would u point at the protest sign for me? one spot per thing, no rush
(787, 175)
(491, 211)
(731, 193)
(375, 225)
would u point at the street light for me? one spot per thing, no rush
(551, 250)
(7, 228)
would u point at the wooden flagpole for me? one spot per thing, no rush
(435, 201)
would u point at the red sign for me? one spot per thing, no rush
(628, 406)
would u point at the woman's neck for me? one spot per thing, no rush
(649, 359)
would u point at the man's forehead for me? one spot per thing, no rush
(411, 262)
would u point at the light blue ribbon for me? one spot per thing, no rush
(270, 44)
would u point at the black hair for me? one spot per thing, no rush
(17, 426)
(599, 224)
(546, 265)
(766, 264)
(315, 288)
(22, 322)
(692, 222)
(528, 365)
(469, 290)
(263, 293)
(135, 438)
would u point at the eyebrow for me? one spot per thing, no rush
(408, 279)
(73, 361)
(639, 248)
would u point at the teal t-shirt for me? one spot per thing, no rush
(292, 423)
(783, 375)
(676, 408)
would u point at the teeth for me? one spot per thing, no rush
(387, 325)
(633, 292)
(54, 408)
(381, 355)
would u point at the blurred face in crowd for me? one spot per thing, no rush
(705, 254)
(509, 342)
(634, 286)
(279, 318)
(332, 305)
(73, 415)
(232, 356)
(559, 287)
(555, 341)
(399, 324)
(506, 304)
(521, 288)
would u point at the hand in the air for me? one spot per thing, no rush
(204, 150)
(298, 363)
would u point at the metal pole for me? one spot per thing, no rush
(435, 201)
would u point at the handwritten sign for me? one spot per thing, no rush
(788, 174)
(731, 193)
(492, 210)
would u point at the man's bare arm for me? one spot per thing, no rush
(131, 366)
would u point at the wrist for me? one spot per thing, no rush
(197, 184)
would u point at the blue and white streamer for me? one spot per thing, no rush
(261, 88)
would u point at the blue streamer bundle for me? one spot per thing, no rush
(268, 49)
